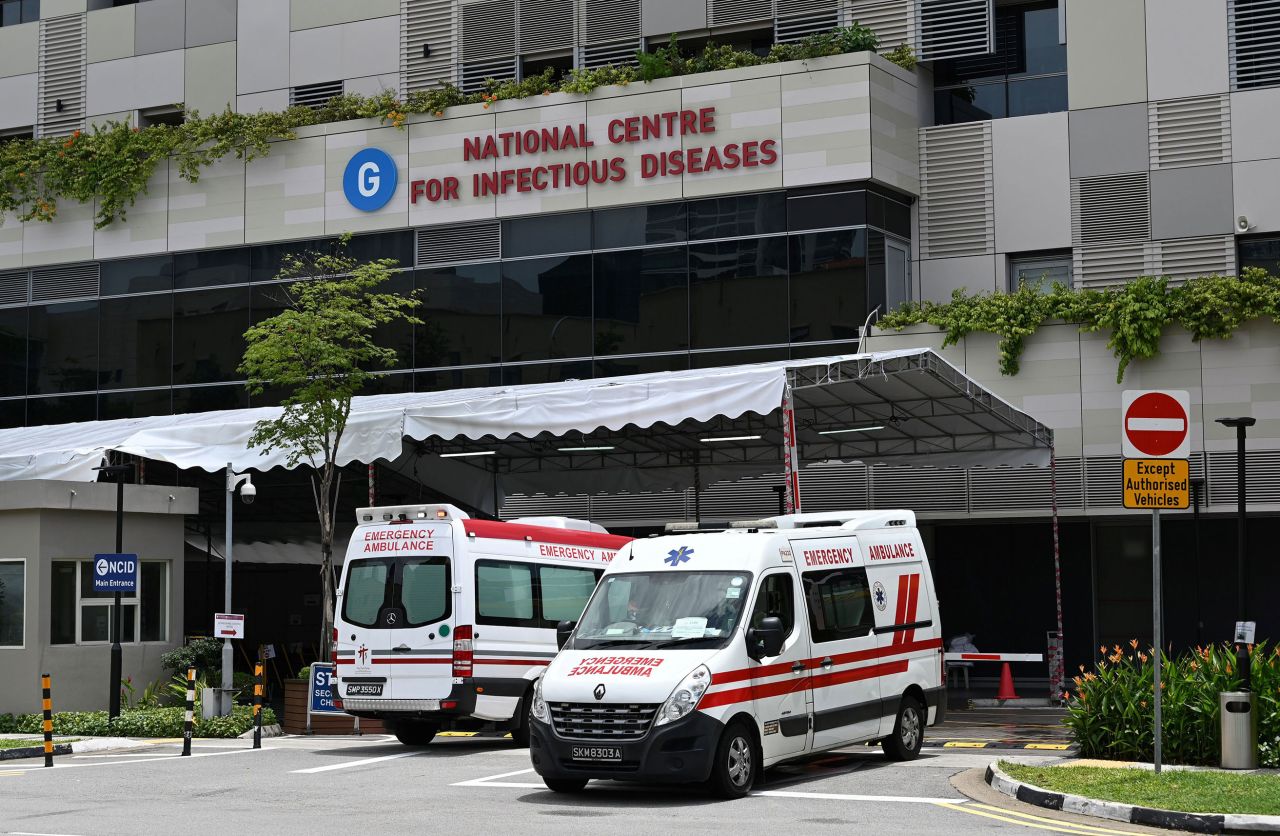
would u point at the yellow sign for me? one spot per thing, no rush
(1157, 484)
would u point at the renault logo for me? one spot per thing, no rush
(599, 691)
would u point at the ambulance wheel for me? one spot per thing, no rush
(908, 731)
(736, 766)
(415, 734)
(520, 721)
(565, 784)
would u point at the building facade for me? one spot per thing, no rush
(1083, 141)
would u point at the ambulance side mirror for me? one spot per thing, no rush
(765, 640)
(563, 630)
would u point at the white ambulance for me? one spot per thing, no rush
(443, 621)
(709, 656)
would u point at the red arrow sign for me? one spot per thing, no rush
(1156, 424)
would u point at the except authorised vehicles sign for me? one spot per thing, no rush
(1162, 484)
(1157, 424)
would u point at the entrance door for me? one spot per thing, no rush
(846, 684)
(897, 274)
(781, 683)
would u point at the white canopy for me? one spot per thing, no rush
(929, 408)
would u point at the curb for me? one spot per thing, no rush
(1114, 810)
(1066, 748)
(33, 752)
(267, 731)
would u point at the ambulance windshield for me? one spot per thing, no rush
(657, 609)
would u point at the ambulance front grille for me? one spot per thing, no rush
(602, 721)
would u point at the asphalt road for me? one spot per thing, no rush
(356, 786)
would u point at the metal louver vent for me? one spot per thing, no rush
(833, 486)
(797, 20)
(1262, 477)
(73, 281)
(957, 203)
(1187, 132)
(610, 20)
(1026, 488)
(618, 54)
(893, 21)
(428, 27)
(488, 29)
(723, 12)
(742, 499)
(1116, 207)
(954, 28)
(454, 244)
(1253, 39)
(15, 288)
(918, 488)
(62, 75)
(1186, 258)
(641, 508)
(546, 25)
(1104, 482)
(577, 506)
(476, 73)
(314, 96)
(1108, 265)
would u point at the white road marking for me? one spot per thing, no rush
(349, 764)
(56, 765)
(835, 796)
(492, 781)
(28, 833)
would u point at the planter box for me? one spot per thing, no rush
(295, 715)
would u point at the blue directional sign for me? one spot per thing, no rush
(115, 573)
(322, 689)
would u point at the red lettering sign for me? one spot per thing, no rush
(616, 666)
(890, 551)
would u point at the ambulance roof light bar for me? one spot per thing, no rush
(410, 513)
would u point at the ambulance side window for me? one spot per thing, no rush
(776, 598)
(505, 594)
(839, 603)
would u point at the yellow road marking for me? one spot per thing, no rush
(1054, 746)
(1036, 822)
(161, 740)
(456, 734)
(12, 772)
(963, 744)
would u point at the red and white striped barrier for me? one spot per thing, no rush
(1006, 691)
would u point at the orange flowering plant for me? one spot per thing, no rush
(1111, 713)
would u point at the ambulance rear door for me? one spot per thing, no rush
(419, 632)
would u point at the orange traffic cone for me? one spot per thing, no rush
(1006, 691)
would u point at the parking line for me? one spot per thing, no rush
(349, 764)
(835, 796)
(492, 781)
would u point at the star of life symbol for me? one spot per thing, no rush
(677, 556)
(363, 653)
(880, 596)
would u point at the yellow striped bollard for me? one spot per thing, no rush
(257, 706)
(48, 718)
(191, 707)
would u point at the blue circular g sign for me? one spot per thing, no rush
(370, 180)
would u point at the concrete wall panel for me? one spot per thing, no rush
(267, 100)
(19, 49)
(18, 101)
(58, 8)
(373, 85)
(1186, 49)
(211, 78)
(68, 238)
(111, 34)
(600, 112)
(1109, 140)
(1107, 52)
(10, 242)
(159, 26)
(1255, 193)
(662, 17)
(1255, 124)
(340, 215)
(895, 131)
(284, 191)
(210, 212)
(132, 83)
(940, 276)
(826, 126)
(351, 50)
(309, 14)
(210, 22)
(435, 152)
(746, 111)
(262, 54)
(1189, 202)
(1032, 178)
(146, 227)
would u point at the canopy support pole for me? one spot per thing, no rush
(790, 455)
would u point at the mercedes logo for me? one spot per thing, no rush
(391, 618)
(599, 691)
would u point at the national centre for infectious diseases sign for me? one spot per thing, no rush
(1157, 484)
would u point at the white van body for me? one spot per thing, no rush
(659, 681)
(443, 621)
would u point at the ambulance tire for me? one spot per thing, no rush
(736, 767)
(908, 731)
(415, 734)
(565, 784)
(520, 721)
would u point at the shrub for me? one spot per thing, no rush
(202, 654)
(142, 722)
(1111, 713)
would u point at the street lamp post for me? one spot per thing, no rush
(1242, 653)
(117, 620)
(228, 659)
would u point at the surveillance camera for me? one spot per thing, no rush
(248, 493)
(1243, 225)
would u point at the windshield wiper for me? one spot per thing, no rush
(670, 642)
(638, 642)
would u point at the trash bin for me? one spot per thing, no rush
(1239, 718)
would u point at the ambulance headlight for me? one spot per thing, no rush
(684, 699)
(539, 707)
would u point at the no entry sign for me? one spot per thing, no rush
(1156, 424)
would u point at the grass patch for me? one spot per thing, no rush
(1187, 792)
(8, 743)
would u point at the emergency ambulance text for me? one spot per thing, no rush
(827, 557)
(890, 551)
(616, 666)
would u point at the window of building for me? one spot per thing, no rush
(12, 602)
(12, 134)
(828, 285)
(738, 292)
(641, 301)
(13, 12)
(161, 116)
(1026, 74)
(839, 603)
(62, 348)
(138, 348)
(1039, 270)
(1260, 252)
(208, 334)
(546, 308)
(79, 615)
(13, 351)
(460, 316)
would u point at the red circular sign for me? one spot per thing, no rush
(1156, 424)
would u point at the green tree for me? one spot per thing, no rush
(320, 351)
